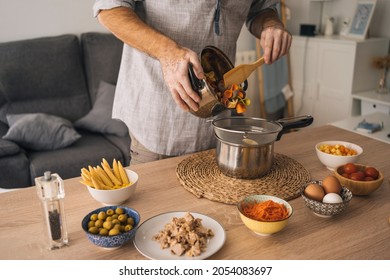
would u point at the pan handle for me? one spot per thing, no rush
(196, 84)
(293, 122)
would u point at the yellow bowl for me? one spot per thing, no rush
(359, 187)
(263, 227)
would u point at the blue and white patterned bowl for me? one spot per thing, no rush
(111, 242)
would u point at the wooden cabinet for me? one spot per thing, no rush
(325, 71)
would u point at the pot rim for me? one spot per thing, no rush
(277, 130)
(247, 146)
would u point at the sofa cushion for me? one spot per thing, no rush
(102, 54)
(99, 119)
(40, 131)
(3, 128)
(43, 75)
(123, 144)
(8, 148)
(88, 150)
(15, 171)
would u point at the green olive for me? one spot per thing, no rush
(122, 218)
(130, 221)
(107, 225)
(102, 215)
(113, 231)
(99, 223)
(119, 210)
(117, 226)
(93, 230)
(91, 224)
(94, 217)
(103, 231)
(128, 227)
(110, 212)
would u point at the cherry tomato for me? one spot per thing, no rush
(371, 172)
(346, 175)
(367, 178)
(350, 168)
(357, 176)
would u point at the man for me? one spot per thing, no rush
(154, 94)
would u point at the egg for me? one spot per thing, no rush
(314, 191)
(332, 198)
(331, 185)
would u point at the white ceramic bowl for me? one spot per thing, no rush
(333, 161)
(117, 196)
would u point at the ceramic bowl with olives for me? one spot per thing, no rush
(110, 227)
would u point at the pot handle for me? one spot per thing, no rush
(245, 86)
(293, 122)
(196, 84)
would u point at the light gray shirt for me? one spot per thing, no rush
(142, 99)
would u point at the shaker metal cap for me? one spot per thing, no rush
(47, 176)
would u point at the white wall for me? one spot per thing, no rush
(308, 11)
(25, 19)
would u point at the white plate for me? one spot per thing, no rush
(151, 249)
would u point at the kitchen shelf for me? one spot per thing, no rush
(367, 102)
(377, 117)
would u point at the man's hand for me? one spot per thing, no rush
(275, 42)
(175, 69)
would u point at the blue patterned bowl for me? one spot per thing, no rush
(116, 241)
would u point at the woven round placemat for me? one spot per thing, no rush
(200, 175)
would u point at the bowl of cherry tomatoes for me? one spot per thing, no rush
(358, 178)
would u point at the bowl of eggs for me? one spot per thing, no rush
(335, 153)
(264, 214)
(111, 227)
(110, 185)
(327, 197)
(358, 178)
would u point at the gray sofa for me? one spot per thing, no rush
(56, 97)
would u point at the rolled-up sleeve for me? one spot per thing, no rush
(258, 6)
(109, 4)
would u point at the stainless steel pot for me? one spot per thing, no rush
(245, 146)
(212, 60)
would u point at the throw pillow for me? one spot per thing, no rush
(40, 131)
(99, 119)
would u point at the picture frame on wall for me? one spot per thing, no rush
(361, 20)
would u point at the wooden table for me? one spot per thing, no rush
(361, 232)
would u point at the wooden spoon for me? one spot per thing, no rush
(239, 74)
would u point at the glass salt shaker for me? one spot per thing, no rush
(50, 190)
